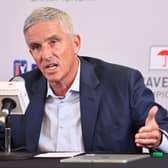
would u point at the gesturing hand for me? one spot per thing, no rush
(149, 136)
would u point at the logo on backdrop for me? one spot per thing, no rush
(20, 67)
(159, 58)
(158, 82)
(33, 66)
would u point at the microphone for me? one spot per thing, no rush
(13, 98)
(13, 101)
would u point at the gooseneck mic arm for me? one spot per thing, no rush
(8, 105)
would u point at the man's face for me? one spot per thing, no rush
(54, 50)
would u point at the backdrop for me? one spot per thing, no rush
(131, 32)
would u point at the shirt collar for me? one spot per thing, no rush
(74, 87)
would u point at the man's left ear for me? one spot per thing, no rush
(76, 43)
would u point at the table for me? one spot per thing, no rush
(55, 163)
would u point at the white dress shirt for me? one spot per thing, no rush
(61, 125)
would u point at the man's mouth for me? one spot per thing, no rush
(52, 65)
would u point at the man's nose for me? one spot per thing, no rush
(46, 52)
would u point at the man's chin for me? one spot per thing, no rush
(53, 80)
(53, 77)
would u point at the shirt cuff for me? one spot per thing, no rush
(164, 144)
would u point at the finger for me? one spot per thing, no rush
(146, 143)
(148, 139)
(148, 135)
(147, 128)
(151, 115)
(139, 145)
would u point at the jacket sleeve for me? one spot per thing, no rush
(142, 99)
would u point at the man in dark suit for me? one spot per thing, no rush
(82, 103)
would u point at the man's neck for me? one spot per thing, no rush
(59, 88)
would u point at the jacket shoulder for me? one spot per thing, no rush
(33, 75)
(107, 67)
(33, 79)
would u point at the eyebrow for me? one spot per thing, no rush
(47, 39)
(52, 37)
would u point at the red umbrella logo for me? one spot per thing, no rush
(164, 53)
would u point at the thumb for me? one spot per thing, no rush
(151, 115)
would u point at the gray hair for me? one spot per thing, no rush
(43, 14)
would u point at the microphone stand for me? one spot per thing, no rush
(7, 139)
(8, 154)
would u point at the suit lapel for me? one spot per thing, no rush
(34, 114)
(89, 101)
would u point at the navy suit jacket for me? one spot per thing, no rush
(114, 105)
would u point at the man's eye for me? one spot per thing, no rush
(53, 41)
(34, 47)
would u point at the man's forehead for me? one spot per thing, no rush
(43, 30)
